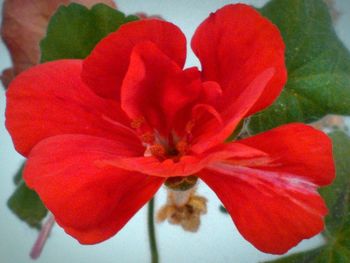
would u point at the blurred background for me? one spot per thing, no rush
(217, 239)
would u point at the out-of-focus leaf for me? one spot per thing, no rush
(17, 179)
(74, 30)
(25, 203)
(222, 209)
(337, 197)
(318, 65)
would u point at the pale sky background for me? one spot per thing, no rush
(217, 241)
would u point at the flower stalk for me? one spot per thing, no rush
(152, 233)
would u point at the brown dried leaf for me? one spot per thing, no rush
(183, 208)
(7, 76)
(24, 25)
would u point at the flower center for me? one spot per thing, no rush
(160, 147)
(170, 147)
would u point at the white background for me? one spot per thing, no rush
(217, 241)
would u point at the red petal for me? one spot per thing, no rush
(92, 203)
(105, 68)
(51, 99)
(156, 88)
(211, 133)
(234, 45)
(297, 149)
(187, 165)
(272, 210)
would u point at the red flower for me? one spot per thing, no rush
(103, 134)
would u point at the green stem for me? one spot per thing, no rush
(151, 232)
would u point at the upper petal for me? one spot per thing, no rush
(105, 68)
(91, 202)
(272, 210)
(297, 149)
(156, 88)
(211, 132)
(51, 99)
(236, 43)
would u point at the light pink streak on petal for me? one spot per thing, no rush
(282, 181)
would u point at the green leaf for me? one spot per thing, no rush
(317, 61)
(17, 179)
(337, 197)
(222, 209)
(74, 30)
(25, 203)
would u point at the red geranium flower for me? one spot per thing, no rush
(103, 134)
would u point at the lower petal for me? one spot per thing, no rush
(273, 211)
(92, 203)
(298, 149)
(185, 165)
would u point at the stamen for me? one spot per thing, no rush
(115, 123)
(189, 126)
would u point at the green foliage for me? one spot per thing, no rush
(337, 197)
(318, 65)
(74, 30)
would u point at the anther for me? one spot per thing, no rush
(182, 147)
(137, 123)
(157, 150)
(147, 137)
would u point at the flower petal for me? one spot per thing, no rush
(156, 88)
(108, 62)
(272, 210)
(51, 99)
(186, 165)
(297, 149)
(236, 43)
(212, 134)
(92, 203)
